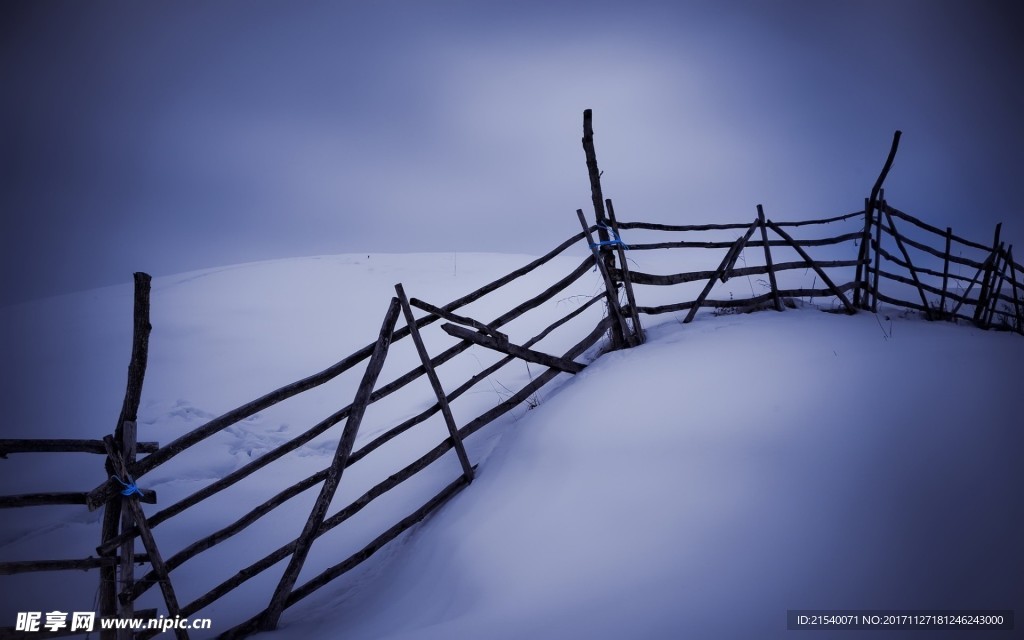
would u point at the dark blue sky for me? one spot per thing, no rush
(178, 135)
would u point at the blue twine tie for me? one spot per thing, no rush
(130, 488)
(615, 241)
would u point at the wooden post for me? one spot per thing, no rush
(638, 331)
(862, 259)
(970, 285)
(435, 383)
(873, 200)
(593, 172)
(998, 276)
(597, 197)
(720, 272)
(112, 517)
(979, 310)
(1016, 296)
(768, 259)
(814, 265)
(906, 256)
(945, 270)
(126, 608)
(155, 559)
(108, 572)
(872, 203)
(618, 331)
(277, 604)
(877, 264)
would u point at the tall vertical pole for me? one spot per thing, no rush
(112, 511)
(873, 200)
(597, 196)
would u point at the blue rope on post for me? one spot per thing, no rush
(130, 488)
(615, 241)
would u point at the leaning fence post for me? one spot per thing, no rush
(768, 259)
(721, 272)
(970, 285)
(277, 604)
(435, 383)
(812, 264)
(1016, 296)
(945, 271)
(906, 256)
(998, 276)
(619, 331)
(985, 284)
(638, 331)
(861, 275)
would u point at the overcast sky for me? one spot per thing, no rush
(170, 136)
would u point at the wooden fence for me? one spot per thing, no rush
(116, 552)
(918, 276)
(850, 280)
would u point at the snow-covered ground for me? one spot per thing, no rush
(697, 486)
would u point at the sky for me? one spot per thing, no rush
(167, 137)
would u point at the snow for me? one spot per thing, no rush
(699, 485)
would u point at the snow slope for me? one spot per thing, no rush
(724, 472)
(697, 486)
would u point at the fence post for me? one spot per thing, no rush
(998, 276)
(277, 604)
(876, 276)
(126, 608)
(112, 511)
(108, 573)
(597, 196)
(872, 205)
(945, 271)
(435, 383)
(130, 498)
(768, 259)
(812, 264)
(906, 256)
(979, 310)
(970, 285)
(1016, 296)
(873, 200)
(638, 331)
(720, 272)
(618, 329)
(863, 257)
